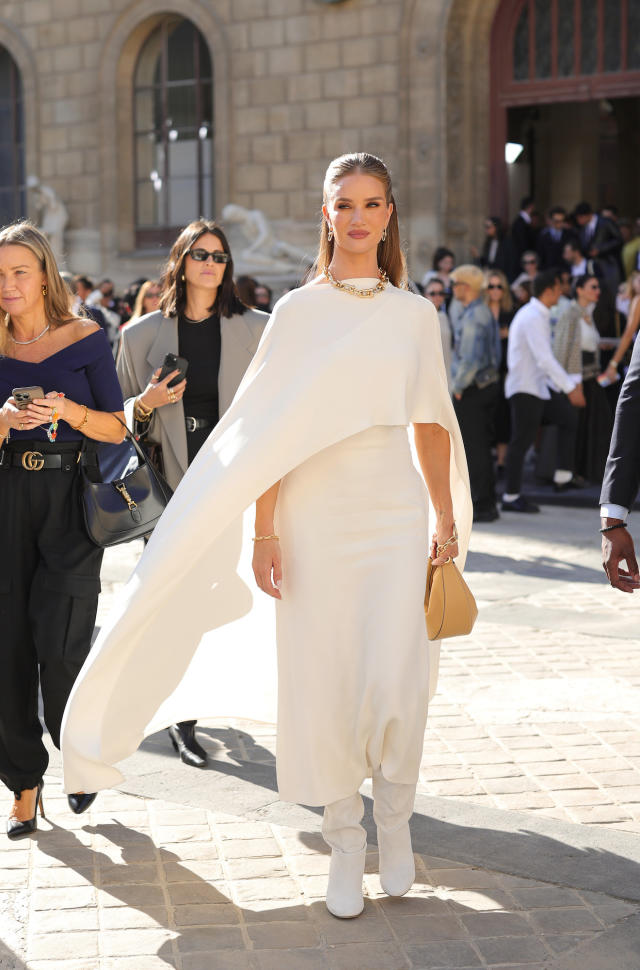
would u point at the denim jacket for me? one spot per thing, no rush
(476, 344)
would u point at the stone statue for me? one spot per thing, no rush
(52, 215)
(263, 251)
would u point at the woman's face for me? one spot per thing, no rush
(445, 265)
(490, 229)
(151, 298)
(21, 281)
(358, 212)
(590, 291)
(204, 274)
(495, 289)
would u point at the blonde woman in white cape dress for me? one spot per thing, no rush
(317, 434)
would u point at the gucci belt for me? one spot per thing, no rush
(33, 461)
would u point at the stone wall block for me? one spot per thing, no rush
(249, 64)
(302, 145)
(321, 57)
(285, 60)
(360, 51)
(285, 8)
(81, 30)
(357, 112)
(241, 94)
(96, 6)
(251, 121)
(84, 136)
(341, 83)
(386, 19)
(301, 30)
(36, 11)
(65, 8)
(287, 176)
(266, 33)
(267, 148)
(55, 88)
(268, 90)
(251, 178)
(286, 117)
(304, 87)
(70, 111)
(388, 108)
(249, 9)
(68, 58)
(239, 36)
(53, 139)
(341, 23)
(82, 188)
(70, 163)
(273, 204)
(322, 114)
(382, 79)
(339, 142)
(242, 149)
(49, 34)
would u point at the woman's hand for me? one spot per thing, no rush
(13, 417)
(267, 566)
(440, 536)
(157, 393)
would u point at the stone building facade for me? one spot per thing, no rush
(283, 86)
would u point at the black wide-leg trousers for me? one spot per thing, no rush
(49, 586)
(527, 414)
(476, 413)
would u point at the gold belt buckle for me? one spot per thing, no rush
(33, 461)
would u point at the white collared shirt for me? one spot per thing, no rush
(532, 368)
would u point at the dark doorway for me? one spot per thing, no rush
(576, 150)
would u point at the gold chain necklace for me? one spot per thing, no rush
(365, 294)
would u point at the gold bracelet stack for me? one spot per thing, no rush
(79, 427)
(262, 538)
(140, 411)
(450, 542)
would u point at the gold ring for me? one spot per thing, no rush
(21, 426)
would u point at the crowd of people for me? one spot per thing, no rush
(537, 331)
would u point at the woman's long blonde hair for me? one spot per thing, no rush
(506, 303)
(57, 299)
(390, 256)
(138, 306)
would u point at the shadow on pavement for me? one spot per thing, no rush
(540, 567)
(9, 960)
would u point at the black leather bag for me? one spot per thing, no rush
(127, 508)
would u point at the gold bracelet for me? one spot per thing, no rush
(262, 538)
(78, 427)
(450, 542)
(142, 409)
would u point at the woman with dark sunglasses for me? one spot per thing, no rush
(498, 298)
(201, 319)
(576, 344)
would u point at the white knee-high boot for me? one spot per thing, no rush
(392, 809)
(341, 830)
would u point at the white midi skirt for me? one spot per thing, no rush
(353, 665)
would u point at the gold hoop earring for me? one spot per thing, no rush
(45, 289)
(384, 234)
(330, 233)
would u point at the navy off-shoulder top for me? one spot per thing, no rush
(84, 371)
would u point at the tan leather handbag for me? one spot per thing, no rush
(449, 606)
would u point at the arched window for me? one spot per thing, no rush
(564, 38)
(12, 180)
(173, 131)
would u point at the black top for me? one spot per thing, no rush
(200, 344)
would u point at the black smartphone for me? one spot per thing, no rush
(172, 362)
(23, 396)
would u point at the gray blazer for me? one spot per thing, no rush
(143, 346)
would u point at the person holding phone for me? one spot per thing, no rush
(59, 386)
(203, 328)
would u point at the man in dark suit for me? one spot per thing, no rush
(620, 484)
(552, 239)
(600, 239)
(522, 236)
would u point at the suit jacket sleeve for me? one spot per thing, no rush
(622, 472)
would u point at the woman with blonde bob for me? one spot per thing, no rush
(59, 387)
(476, 383)
(317, 437)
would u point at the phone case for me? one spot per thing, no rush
(172, 362)
(24, 395)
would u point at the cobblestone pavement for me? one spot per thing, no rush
(537, 714)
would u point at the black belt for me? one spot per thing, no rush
(197, 424)
(35, 461)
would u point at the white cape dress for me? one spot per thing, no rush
(189, 635)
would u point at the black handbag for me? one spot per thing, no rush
(127, 508)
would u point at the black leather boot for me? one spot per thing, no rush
(17, 828)
(183, 739)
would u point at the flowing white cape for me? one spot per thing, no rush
(185, 638)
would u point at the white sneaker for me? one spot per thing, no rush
(397, 864)
(344, 891)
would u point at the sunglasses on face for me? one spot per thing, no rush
(435, 292)
(495, 286)
(152, 295)
(529, 261)
(202, 255)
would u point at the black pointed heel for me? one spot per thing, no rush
(184, 744)
(17, 829)
(80, 801)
